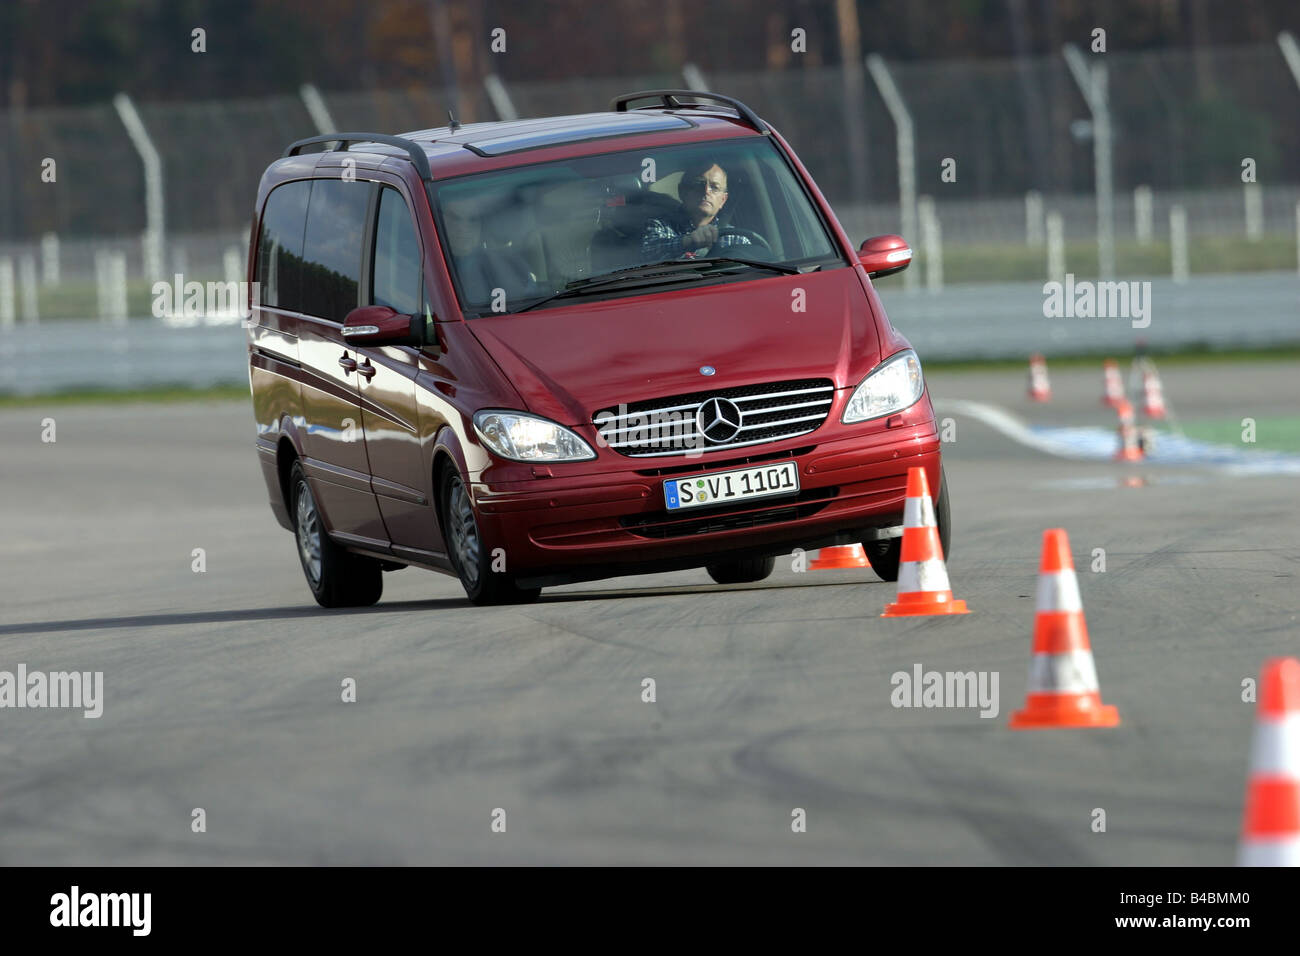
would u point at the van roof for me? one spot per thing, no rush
(446, 150)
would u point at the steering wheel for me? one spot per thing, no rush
(718, 249)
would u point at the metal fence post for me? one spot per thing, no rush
(1179, 266)
(931, 243)
(1143, 219)
(1290, 53)
(231, 264)
(6, 292)
(694, 78)
(906, 153)
(1033, 218)
(316, 108)
(1254, 209)
(1055, 247)
(1093, 82)
(153, 185)
(50, 258)
(500, 97)
(27, 288)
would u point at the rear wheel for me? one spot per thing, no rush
(469, 555)
(337, 578)
(885, 556)
(742, 571)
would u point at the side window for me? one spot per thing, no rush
(396, 268)
(331, 271)
(279, 246)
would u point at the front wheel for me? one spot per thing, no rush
(337, 577)
(469, 555)
(885, 556)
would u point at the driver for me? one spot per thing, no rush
(693, 229)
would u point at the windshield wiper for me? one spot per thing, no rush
(667, 270)
(755, 264)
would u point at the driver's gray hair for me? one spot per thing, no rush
(703, 166)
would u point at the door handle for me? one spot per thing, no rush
(367, 370)
(348, 364)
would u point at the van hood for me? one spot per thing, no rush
(568, 362)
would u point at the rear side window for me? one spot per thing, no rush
(396, 268)
(279, 247)
(331, 271)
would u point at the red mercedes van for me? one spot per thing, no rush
(537, 352)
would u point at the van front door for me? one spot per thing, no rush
(336, 462)
(389, 408)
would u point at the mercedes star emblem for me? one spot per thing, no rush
(718, 420)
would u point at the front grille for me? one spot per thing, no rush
(673, 524)
(669, 426)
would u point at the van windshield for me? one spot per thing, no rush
(520, 237)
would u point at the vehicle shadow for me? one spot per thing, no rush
(175, 619)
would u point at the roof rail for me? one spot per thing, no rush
(419, 158)
(669, 99)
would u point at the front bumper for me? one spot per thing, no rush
(555, 530)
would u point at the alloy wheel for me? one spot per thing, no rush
(464, 532)
(308, 532)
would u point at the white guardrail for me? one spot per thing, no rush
(985, 321)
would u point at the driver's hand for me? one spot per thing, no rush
(704, 236)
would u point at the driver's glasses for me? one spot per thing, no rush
(699, 185)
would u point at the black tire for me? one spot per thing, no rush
(469, 555)
(885, 556)
(742, 571)
(337, 577)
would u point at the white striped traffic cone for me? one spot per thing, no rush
(1040, 389)
(1130, 442)
(922, 578)
(840, 556)
(1113, 391)
(1271, 829)
(1063, 689)
(1153, 393)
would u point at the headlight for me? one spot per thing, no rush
(521, 437)
(894, 385)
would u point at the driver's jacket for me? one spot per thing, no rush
(661, 238)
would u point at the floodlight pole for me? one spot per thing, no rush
(906, 155)
(316, 108)
(153, 185)
(1094, 81)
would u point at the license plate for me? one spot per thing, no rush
(724, 487)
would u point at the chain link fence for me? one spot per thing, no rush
(1183, 122)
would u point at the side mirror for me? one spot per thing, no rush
(380, 325)
(885, 255)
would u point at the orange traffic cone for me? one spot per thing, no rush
(1270, 834)
(840, 556)
(1130, 442)
(1153, 393)
(922, 577)
(1113, 392)
(1040, 389)
(1063, 689)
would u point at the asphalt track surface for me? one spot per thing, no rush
(222, 688)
